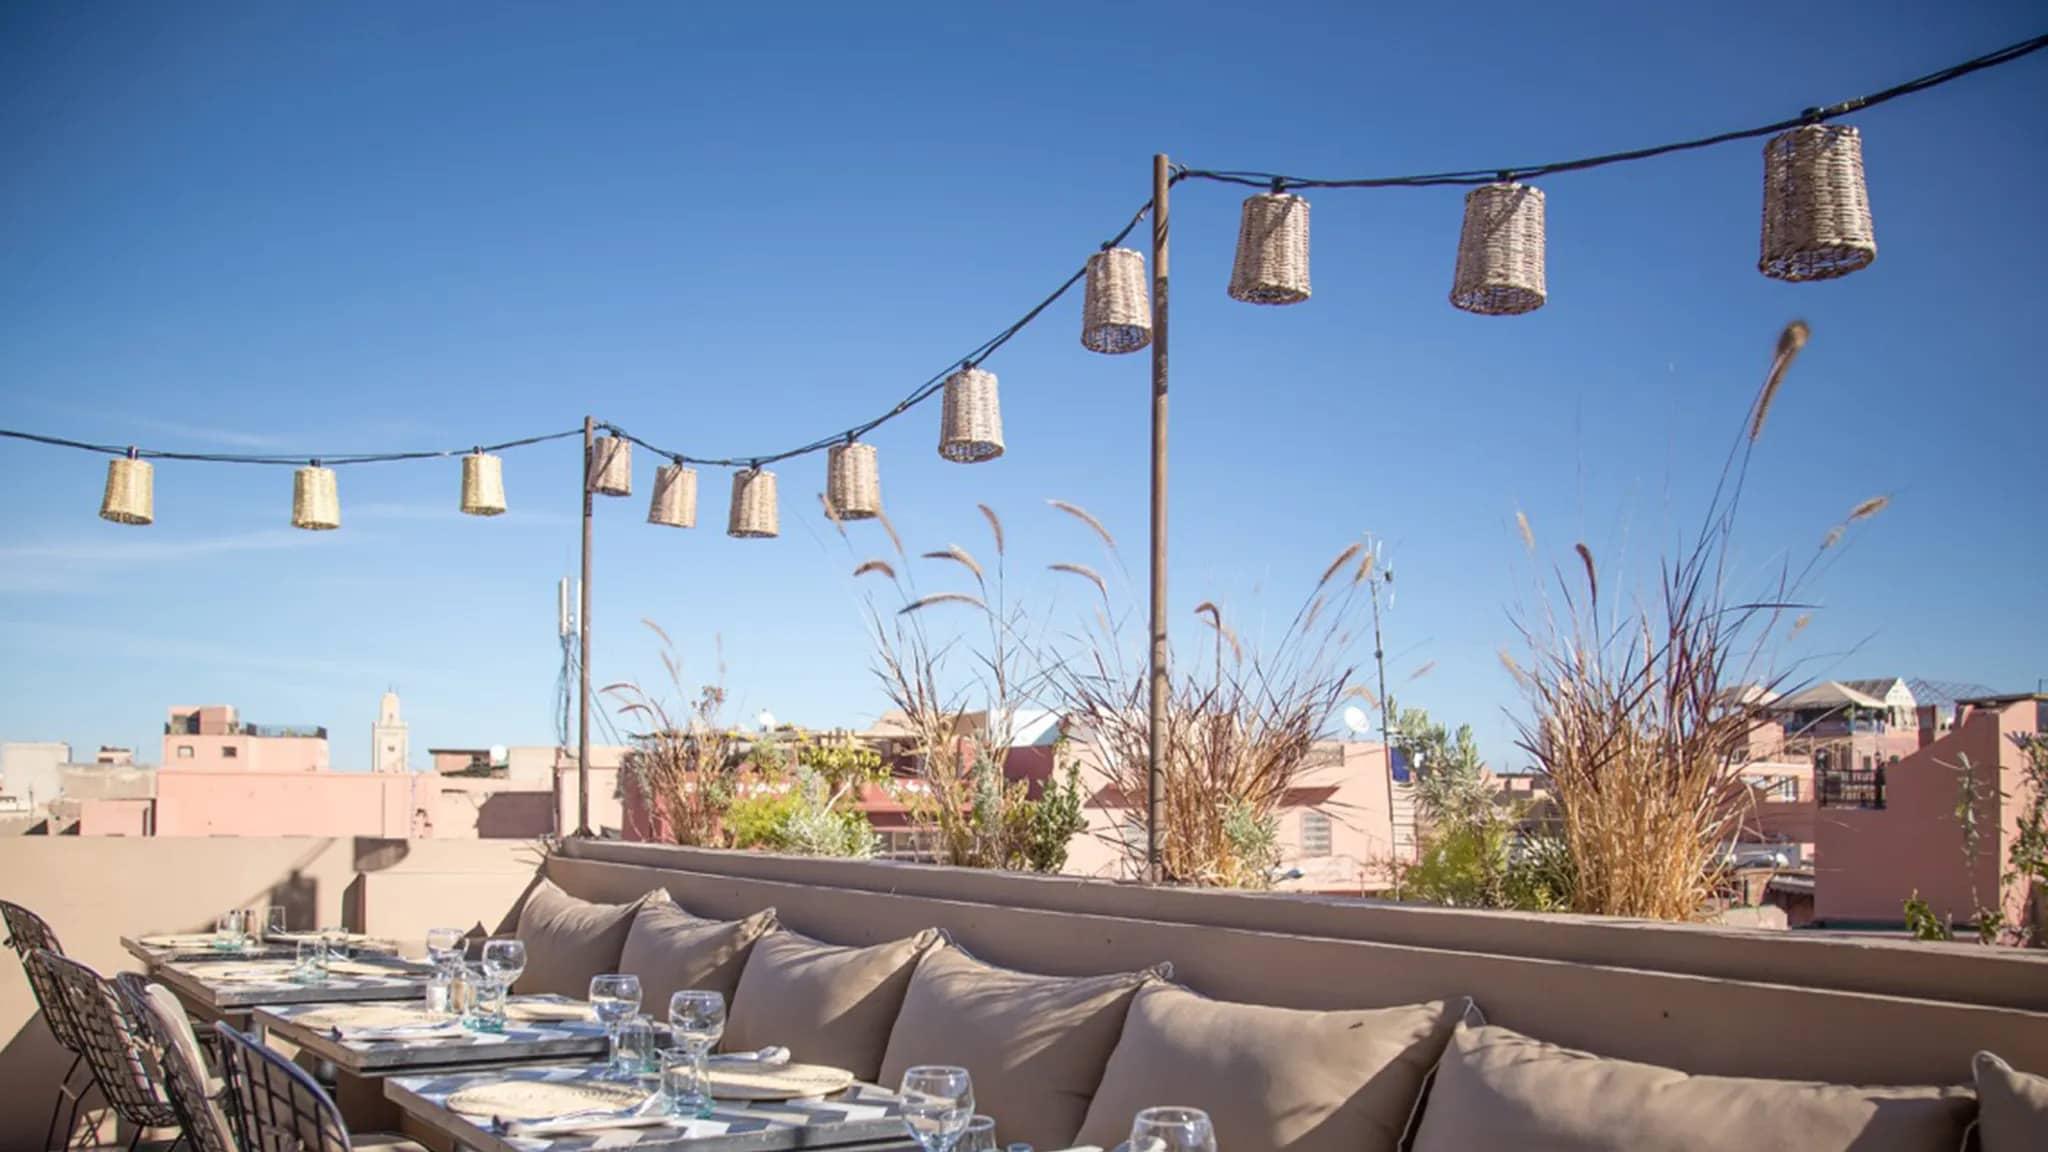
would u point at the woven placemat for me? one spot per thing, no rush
(789, 1082)
(541, 1099)
(367, 1016)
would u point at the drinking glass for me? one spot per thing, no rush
(1172, 1130)
(227, 930)
(336, 940)
(444, 945)
(486, 1002)
(680, 1086)
(274, 923)
(613, 997)
(980, 1136)
(637, 1054)
(698, 1020)
(938, 1102)
(505, 958)
(309, 964)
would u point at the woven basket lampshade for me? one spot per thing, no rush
(971, 424)
(611, 466)
(1272, 250)
(754, 515)
(316, 503)
(1500, 251)
(675, 496)
(131, 492)
(853, 484)
(483, 484)
(1116, 314)
(1816, 205)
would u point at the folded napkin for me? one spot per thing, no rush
(403, 1032)
(649, 1113)
(548, 1010)
(770, 1057)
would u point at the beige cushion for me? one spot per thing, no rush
(170, 1014)
(2013, 1106)
(569, 940)
(1500, 1089)
(827, 1005)
(671, 950)
(1036, 1045)
(1272, 1077)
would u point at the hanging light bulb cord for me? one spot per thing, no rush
(1273, 181)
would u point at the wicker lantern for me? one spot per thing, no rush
(1116, 314)
(754, 514)
(316, 504)
(611, 466)
(971, 425)
(483, 484)
(1272, 250)
(675, 496)
(131, 491)
(1816, 206)
(853, 485)
(1500, 251)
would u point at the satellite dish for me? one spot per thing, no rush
(500, 755)
(1356, 719)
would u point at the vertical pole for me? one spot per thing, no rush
(1155, 757)
(583, 649)
(1379, 657)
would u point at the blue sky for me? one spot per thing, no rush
(735, 228)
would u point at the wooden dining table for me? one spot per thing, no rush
(227, 989)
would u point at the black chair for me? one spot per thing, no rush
(123, 1061)
(195, 1091)
(27, 932)
(280, 1108)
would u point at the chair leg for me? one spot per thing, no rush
(65, 1096)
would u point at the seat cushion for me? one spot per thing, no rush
(569, 940)
(826, 1004)
(671, 950)
(1497, 1088)
(2012, 1106)
(1035, 1045)
(382, 1142)
(172, 1021)
(1272, 1077)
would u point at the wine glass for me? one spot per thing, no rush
(938, 1102)
(444, 945)
(505, 958)
(614, 997)
(698, 1020)
(1172, 1130)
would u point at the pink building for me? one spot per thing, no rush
(211, 739)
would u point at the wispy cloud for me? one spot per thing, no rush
(64, 564)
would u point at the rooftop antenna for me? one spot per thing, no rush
(565, 678)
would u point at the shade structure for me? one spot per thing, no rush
(483, 484)
(1816, 205)
(754, 515)
(316, 502)
(971, 424)
(131, 492)
(1500, 251)
(675, 496)
(1272, 250)
(611, 466)
(1116, 313)
(853, 483)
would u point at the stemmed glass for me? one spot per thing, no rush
(505, 958)
(614, 997)
(698, 1020)
(1172, 1130)
(938, 1102)
(444, 945)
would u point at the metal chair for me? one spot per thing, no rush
(123, 1061)
(27, 932)
(279, 1107)
(194, 1090)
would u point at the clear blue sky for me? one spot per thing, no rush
(733, 228)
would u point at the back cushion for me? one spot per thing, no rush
(2014, 1106)
(1500, 1089)
(671, 950)
(569, 940)
(827, 1005)
(1035, 1045)
(1272, 1077)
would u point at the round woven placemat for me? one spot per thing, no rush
(541, 1099)
(367, 1016)
(789, 1082)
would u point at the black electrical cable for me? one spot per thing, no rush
(294, 460)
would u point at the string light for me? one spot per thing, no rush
(675, 496)
(316, 500)
(1500, 250)
(754, 515)
(131, 491)
(483, 484)
(611, 466)
(853, 482)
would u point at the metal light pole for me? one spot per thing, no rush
(583, 651)
(1155, 757)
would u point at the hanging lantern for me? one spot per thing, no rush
(611, 466)
(1816, 205)
(483, 484)
(675, 496)
(131, 491)
(1116, 313)
(1272, 250)
(316, 504)
(754, 514)
(971, 424)
(853, 484)
(1500, 251)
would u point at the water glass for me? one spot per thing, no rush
(980, 1136)
(682, 1085)
(637, 1054)
(227, 930)
(1172, 1130)
(444, 945)
(613, 997)
(337, 942)
(938, 1103)
(309, 964)
(505, 958)
(274, 923)
(441, 994)
(486, 1002)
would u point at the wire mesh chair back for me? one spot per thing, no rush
(26, 933)
(122, 1058)
(188, 1083)
(277, 1106)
